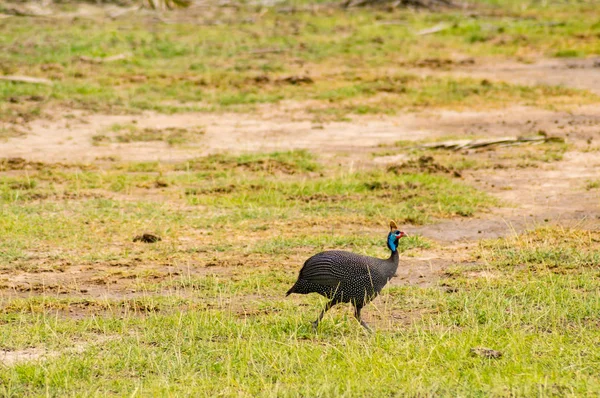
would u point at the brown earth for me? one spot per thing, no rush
(583, 74)
(549, 193)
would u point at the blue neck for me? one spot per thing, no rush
(392, 242)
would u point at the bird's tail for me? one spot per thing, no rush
(292, 290)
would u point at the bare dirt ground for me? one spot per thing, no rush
(552, 193)
(272, 128)
(575, 73)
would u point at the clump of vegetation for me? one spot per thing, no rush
(8, 132)
(544, 248)
(289, 162)
(99, 139)
(545, 153)
(592, 185)
(126, 133)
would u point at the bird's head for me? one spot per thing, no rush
(394, 236)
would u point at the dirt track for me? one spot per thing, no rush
(286, 126)
(552, 193)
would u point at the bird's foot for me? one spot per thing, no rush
(366, 326)
(315, 324)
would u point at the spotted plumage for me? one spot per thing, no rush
(345, 277)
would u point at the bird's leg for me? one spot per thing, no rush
(322, 314)
(357, 316)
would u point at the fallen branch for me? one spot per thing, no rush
(458, 145)
(27, 79)
(435, 29)
(267, 51)
(100, 60)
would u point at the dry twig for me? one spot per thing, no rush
(27, 79)
(457, 145)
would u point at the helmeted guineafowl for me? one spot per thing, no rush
(345, 277)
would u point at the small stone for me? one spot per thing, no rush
(147, 238)
(486, 352)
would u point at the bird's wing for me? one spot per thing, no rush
(319, 276)
(327, 270)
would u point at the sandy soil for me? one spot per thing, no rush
(550, 194)
(576, 73)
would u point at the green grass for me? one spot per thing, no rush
(89, 312)
(228, 341)
(184, 67)
(203, 312)
(251, 194)
(547, 249)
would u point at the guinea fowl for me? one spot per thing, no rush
(345, 277)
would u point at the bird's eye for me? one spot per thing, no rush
(397, 233)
